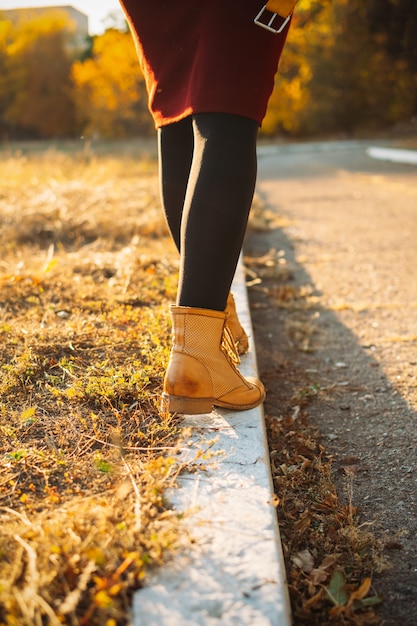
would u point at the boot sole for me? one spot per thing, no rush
(198, 406)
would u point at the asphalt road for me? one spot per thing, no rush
(347, 225)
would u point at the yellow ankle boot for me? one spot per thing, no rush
(201, 372)
(236, 329)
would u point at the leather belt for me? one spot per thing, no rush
(270, 14)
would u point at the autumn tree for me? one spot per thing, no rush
(291, 96)
(395, 24)
(5, 28)
(36, 78)
(110, 91)
(340, 73)
(357, 85)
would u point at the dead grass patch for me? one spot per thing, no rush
(86, 273)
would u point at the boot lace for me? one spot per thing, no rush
(229, 347)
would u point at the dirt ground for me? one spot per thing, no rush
(335, 321)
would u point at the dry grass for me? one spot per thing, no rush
(85, 276)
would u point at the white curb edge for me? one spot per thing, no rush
(395, 155)
(233, 573)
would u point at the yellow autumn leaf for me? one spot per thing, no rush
(361, 592)
(103, 600)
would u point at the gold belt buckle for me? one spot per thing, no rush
(264, 23)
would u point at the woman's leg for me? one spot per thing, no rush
(216, 200)
(175, 146)
(207, 179)
(217, 203)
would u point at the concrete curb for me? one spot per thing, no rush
(233, 573)
(393, 154)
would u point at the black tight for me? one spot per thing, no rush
(207, 176)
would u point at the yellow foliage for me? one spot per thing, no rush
(5, 30)
(335, 75)
(291, 95)
(35, 75)
(110, 89)
(28, 31)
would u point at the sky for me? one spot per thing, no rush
(96, 10)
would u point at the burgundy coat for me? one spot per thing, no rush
(202, 56)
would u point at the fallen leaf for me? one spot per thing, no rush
(361, 592)
(318, 575)
(336, 591)
(304, 560)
